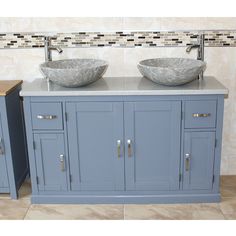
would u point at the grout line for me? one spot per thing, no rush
(26, 212)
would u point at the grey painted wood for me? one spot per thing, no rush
(219, 129)
(207, 107)
(48, 148)
(129, 199)
(89, 109)
(134, 98)
(154, 130)
(17, 137)
(4, 184)
(12, 133)
(47, 109)
(201, 148)
(93, 131)
(30, 144)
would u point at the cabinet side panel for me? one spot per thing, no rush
(218, 148)
(30, 144)
(4, 184)
(17, 137)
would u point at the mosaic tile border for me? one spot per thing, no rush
(121, 39)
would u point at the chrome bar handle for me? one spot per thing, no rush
(204, 115)
(129, 148)
(187, 162)
(46, 117)
(1, 147)
(62, 162)
(119, 148)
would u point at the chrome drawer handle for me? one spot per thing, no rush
(196, 115)
(118, 148)
(187, 161)
(1, 147)
(129, 148)
(61, 157)
(46, 117)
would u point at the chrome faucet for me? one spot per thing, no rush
(200, 49)
(48, 48)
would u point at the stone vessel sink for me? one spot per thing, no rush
(171, 71)
(74, 72)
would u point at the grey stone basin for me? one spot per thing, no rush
(171, 71)
(74, 72)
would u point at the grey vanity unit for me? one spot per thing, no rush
(124, 140)
(13, 151)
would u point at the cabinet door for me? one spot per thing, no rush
(94, 132)
(153, 155)
(50, 161)
(198, 160)
(3, 168)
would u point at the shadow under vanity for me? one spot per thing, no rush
(124, 140)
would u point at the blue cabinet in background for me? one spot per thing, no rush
(13, 150)
(4, 184)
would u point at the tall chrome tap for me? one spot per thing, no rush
(200, 49)
(48, 48)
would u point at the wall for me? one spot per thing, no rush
(221, 61)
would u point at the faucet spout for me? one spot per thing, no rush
(58, 49)
(190, 47)
(48, 48)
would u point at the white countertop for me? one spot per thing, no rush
(115, 86)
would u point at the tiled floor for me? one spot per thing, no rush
(22, 209)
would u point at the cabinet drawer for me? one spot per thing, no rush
(47, 115)
(200, 114)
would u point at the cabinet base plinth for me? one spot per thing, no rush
(125, 199)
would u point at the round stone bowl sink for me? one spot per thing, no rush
(171, 71)
(74, 72)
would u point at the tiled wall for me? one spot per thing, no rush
(123, 56)
(120, 39)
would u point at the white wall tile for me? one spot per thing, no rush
(221, 62)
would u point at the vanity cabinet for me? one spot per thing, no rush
(154, 149)
(13, 151)
(142, 143)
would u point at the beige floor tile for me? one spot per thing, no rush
(173, 212)
(75, 212)
(230, 216)
(13, 209)
(207, 211)
(25, 190)
(228, 180)
(5, 196)
(228, 206)
(228, 191)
